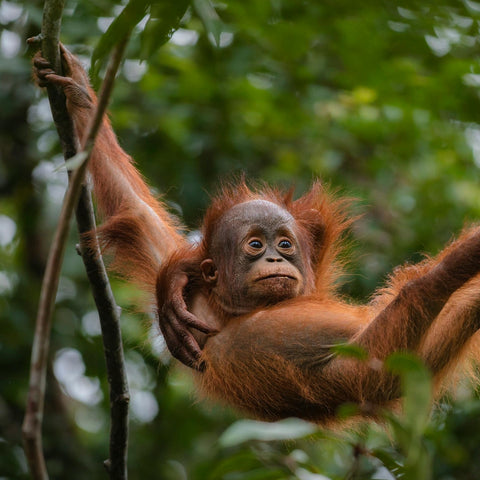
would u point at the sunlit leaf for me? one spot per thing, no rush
(245, 430)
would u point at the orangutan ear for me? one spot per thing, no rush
(209, 271)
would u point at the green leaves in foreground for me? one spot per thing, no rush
(416, 388)
(120, 28)
(350, 350)
(246, 430)
(404, 455)
(408, 428)
(163, 21)
(252, 459)
(164, 18)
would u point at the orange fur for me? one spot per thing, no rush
(276, 360)
(137, 229)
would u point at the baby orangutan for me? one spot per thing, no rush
(253, 307)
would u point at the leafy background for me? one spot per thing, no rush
(378, 99)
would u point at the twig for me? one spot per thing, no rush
(35, 403)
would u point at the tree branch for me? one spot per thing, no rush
(96, 271)
(109, 314)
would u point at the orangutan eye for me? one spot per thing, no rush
(256, 244)
(285, 244)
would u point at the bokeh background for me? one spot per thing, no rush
(380, 100)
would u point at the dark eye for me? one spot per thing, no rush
(256, 244)
(286, 244)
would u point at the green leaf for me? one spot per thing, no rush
(347, 410)
(265, 474)
(246, 430)
(211, 21)
(404, 363)
(389, 458)
(350, 350)
(409, 428)
(418, 465)
(417, 388)
(164, 19)
(401, 431)
(240, 462)
(121, 27)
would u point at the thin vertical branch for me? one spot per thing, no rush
(109, 314)
(32, 425)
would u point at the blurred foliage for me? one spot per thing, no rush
(380, 100)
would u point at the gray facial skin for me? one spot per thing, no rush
(258, 261)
